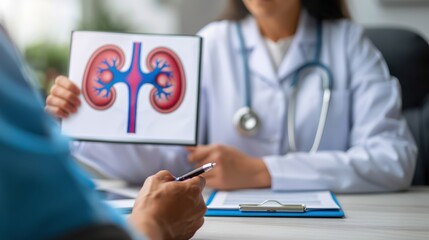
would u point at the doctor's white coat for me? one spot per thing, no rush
(366, 145)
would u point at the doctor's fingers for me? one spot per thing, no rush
(212, 150)
(56, 112)
(199, 154)
(66, 94)
(66, 83)
(211, 158)
(191, 149)
(209, 175)
(64, 105)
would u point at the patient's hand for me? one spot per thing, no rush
(63, 98)
(166, 209)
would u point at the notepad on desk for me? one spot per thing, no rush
(268, 203)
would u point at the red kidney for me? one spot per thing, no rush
(108, 53)
(177, 80)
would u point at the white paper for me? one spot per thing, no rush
(133, 78)
(312, 199)
(122, 204)
(118, 188)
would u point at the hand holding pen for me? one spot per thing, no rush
(205, 168)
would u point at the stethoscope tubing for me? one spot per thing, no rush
(246, 112)
(246, 88)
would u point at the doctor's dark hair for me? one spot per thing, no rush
(319, 9)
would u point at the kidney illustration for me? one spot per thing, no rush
(104, 70)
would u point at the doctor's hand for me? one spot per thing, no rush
(166, 209)
(234, 169)
(63, 98)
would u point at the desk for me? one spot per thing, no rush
(390, 216)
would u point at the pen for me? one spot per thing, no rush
(205, 168)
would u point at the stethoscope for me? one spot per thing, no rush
(247, 122)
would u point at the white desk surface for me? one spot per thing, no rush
(403, 215)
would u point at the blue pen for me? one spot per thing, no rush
(205, 168)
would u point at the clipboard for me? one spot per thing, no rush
(277, 210)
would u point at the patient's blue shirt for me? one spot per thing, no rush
(43, 193)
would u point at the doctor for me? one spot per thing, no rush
(294, 97)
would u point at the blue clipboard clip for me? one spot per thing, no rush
(272, 206)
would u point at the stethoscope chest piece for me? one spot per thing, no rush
(246, 121)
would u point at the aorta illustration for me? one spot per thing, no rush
(104, 70)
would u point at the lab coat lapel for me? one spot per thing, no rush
(302, 49)
(260, 62)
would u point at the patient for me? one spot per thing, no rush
(44, 195)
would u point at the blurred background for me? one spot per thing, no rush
(42, 28)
